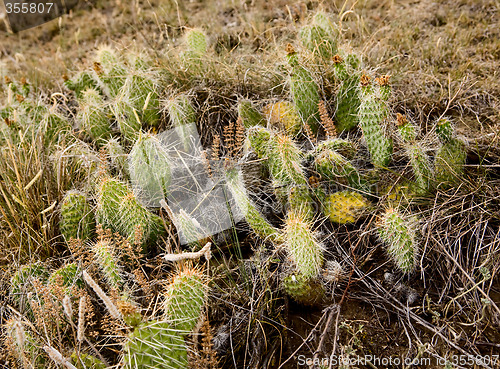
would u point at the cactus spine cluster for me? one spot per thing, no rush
(400, 235)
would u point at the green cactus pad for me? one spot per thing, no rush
(302, 245)
(399, 234)
(234, 180)
(149, 165)
(185, 298)
(372, 113)
(305, 95)
(77, 218)
(155, 344)
(250, 115)
(305, 291)
(93, 116)
(105, 257)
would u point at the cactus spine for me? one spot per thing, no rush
(77, 219)
(400, 236)
(372, 113)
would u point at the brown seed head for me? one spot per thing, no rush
(337, 59)
(401, 120)
(383, 80)
(365, 80)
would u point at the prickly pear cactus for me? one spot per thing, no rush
(450, 157)
(185, 298)
(93, 116)
(344, 206)
(304, 92)
(77, 218)
(261, 227)
(400, 235)
(347, 71)
(249, 114)
(372, 113)
(149, 166)
(303, 290)
(155, 344)
(302, 245)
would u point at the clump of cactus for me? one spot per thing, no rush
(77, 218)
(400, 235)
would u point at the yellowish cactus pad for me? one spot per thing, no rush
(344, 207)
(284, 115)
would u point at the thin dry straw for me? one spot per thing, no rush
(81, 320)
(68, 310)
(57, 357)
(112, 309)
(205, 251)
